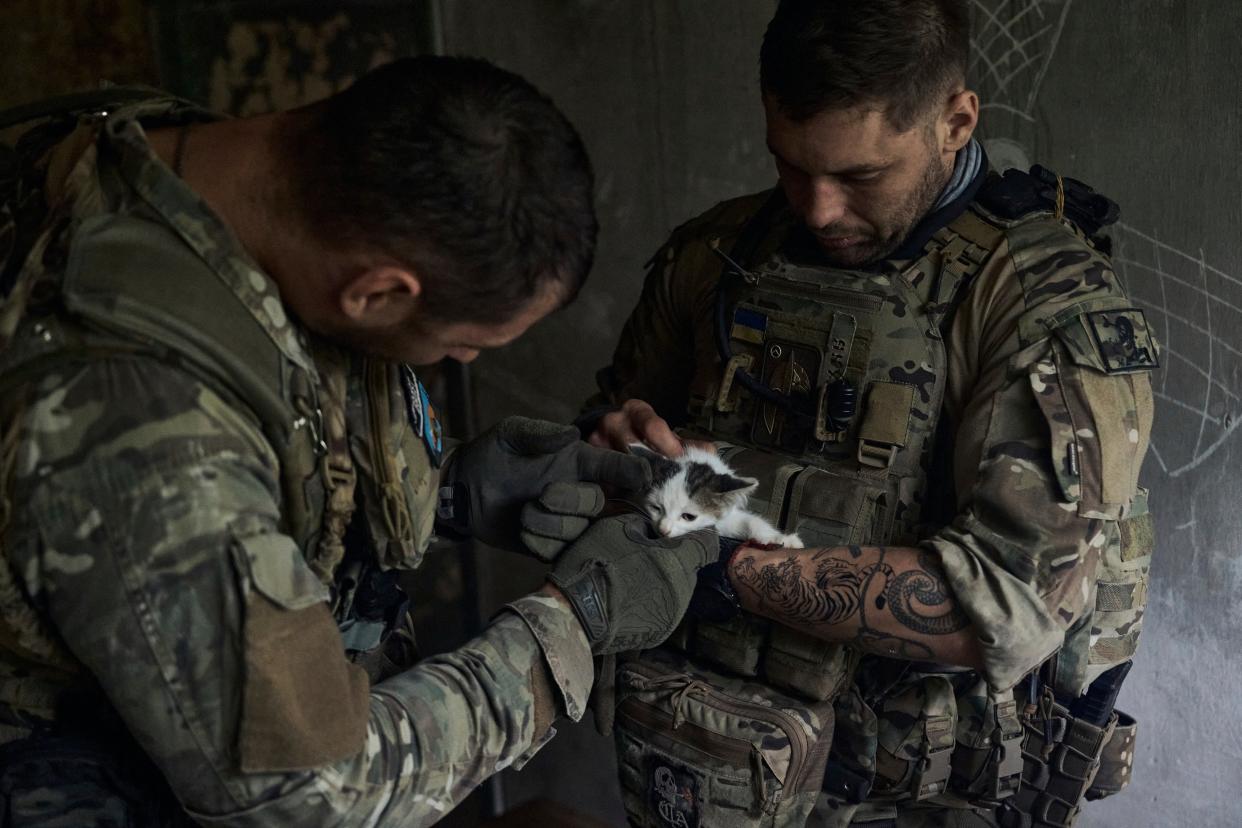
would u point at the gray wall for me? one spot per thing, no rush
(1141, 98)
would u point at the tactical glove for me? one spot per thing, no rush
(628, 588)
(562, 513)
(488, 481)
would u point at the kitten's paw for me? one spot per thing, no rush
(791, 541)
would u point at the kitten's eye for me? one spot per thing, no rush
(656, 509)
(688, 517)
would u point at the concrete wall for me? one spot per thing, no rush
(1141, 98)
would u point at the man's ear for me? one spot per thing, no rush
(958, 120)
(381, 294)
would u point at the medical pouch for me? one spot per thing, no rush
(697, 748)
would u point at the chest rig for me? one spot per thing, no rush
(338, 425)
(828, 390)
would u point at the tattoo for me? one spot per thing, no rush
(832, 597)
(926, 584)
(840, 589)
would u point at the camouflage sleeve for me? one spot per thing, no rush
(1049, 440)
(149, 537)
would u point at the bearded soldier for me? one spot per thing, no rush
(214, 455)
(940, 385)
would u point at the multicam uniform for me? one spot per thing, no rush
(179, 461)
(986, 399)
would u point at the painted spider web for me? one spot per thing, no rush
(1012, 45)
(1192, 306)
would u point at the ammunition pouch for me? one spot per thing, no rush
(699, 748)
(928, 740)
(915, 737)
(989, 768)
(1062, 756)
(1117, 760)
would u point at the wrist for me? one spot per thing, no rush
(715, 599)
(553, 591)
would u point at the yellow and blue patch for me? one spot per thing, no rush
(748, 326)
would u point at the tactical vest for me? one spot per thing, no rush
(339, 427)
(829, 391)
(842, 451)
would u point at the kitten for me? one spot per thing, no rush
(699, 491)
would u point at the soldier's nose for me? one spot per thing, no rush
(825, 204)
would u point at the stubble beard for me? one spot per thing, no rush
(897, 226)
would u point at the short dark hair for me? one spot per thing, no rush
(895, 55)
(460, 169)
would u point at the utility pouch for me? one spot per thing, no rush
(987, 761)
(1117, 760)
(698, 749)
(915, 740)
(1061, 757)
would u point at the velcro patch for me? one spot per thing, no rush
(1123, 340)
(673, 793)
(424, 419)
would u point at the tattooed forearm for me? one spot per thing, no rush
(895, 602)
(832, 596)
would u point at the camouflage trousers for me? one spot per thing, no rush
(828, 814)
(56, 782)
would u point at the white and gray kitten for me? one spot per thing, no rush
(699, 491)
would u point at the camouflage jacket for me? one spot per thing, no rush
(1045, 443)
(149, 558)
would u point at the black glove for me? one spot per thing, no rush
(488, 481)
(558, 517)
(628, 588)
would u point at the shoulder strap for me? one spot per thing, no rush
(146, 291)
(23, 161)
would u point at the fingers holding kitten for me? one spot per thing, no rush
(636, 422)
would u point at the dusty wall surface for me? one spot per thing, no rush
(1140, 98)
(50, 47)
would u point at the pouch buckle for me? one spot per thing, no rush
(1009, 761)
(876, 455)
(931, 774)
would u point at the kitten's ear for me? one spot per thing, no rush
(662, 468)
(731, 484)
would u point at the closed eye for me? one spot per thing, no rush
(688, 516)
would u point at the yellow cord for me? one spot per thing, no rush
(1060, 198)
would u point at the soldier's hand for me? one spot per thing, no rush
(561, 513)
(628, 587)
(493, 477)
(636, 422)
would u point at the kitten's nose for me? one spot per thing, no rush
(665, 528)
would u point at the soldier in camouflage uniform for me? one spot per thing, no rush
(214, 456)
(939, 383)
